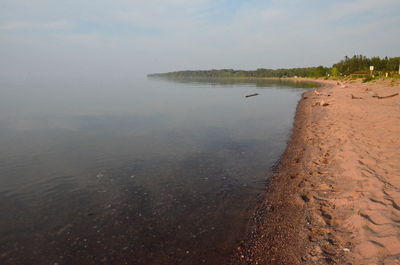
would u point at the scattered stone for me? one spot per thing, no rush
(329, 250)
(305, 198)
(315, 251)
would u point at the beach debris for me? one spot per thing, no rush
(388, 96)
(252, 95)
(321, 103)
(321, 94)
(355, 97)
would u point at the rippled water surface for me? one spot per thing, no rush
(143, 172)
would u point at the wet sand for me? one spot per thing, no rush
(335, 196)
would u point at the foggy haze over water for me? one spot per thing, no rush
(58, 40)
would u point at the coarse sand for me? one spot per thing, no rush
(335, 196)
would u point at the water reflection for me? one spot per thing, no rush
(258, 82)
(161, 173)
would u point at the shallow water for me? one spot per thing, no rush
(142, 172)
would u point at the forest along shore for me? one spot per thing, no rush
(335, 197)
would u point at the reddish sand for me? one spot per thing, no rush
(335, 198)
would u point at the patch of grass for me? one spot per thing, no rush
(368, 79)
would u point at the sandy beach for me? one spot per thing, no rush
(335, 196)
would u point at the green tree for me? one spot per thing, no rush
(335, 71)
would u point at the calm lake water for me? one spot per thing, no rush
(143, 172)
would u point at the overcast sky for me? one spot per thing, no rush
(120, 38)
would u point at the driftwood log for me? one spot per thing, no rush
(252, 95)
(389, 96)
(355, 97)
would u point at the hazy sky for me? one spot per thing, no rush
(120, 38)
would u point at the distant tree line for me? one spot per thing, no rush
(358, 64)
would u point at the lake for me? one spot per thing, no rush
(145, 171)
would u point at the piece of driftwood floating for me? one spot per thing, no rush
(389, 96)
(252, 95)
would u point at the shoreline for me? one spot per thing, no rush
(335, 195)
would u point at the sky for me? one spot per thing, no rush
(124, 38)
